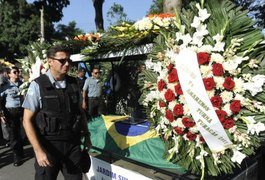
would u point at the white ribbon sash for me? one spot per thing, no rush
(198, 101)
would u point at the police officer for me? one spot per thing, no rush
(81, 78)
(54, 99)
(12, 113)
(92, 94)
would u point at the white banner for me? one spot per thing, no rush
(101, 170)
(198, 101)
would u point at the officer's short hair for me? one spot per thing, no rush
(57, 48)
(8, 70)
(81, 69)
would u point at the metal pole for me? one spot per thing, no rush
(42, 37)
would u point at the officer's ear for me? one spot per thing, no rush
(50, 61)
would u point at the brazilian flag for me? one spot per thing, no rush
(135, 142)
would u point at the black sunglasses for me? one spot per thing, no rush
(62, 61)
(15, 72)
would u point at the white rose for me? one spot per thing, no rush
(194, 129)
(218, 58)
(182, 99)
(227, 96)
(172, 86)
(240, 97)
(239, 83)
(226, 108)
(179, 123)
(161, 95)
(206, 71)
(186, 109)
(171, 105)
(210, 93)
(219, 82)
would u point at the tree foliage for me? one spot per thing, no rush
(53, 9)
(20, 24)
(156, 7)
(64, 32)
(116, 14)
(255, 7)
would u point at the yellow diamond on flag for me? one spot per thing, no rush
(123, 141)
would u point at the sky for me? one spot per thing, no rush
(82, 11)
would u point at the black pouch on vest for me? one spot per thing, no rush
(52, 127)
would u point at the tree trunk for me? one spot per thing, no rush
(98, 5)
(169, 6)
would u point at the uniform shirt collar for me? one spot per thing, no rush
(57, 84)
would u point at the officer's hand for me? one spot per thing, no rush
(42, 159)
(3, 119)
(87, 142)
(84, 106)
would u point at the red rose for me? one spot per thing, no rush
(179, 130)
(169, 115)
(178, 89)
(191, 136)
(208, 83)
(216, 101)
(218, 69)
(178, 110)
(202, 139)
(170, 66)
(173, 76)
(162, 104)
(169, 95)
(161, 85)
(235, 106)
(229, 84)
(203, 57)
(187, 122)
(228, 123)
(221, 115)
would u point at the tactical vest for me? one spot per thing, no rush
(59, 117)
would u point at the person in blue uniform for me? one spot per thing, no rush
(53, 119)
(92, 94)
(12, 113)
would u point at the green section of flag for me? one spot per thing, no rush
(150, 151)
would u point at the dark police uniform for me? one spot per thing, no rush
(58, 126)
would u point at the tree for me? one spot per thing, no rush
(116, 13)
(53, 9)
(156, 7)
(255, 7)
(18, 27)
(165, 6)
(65, 32)
(98, 14)
(20, 24)
(170, 6)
